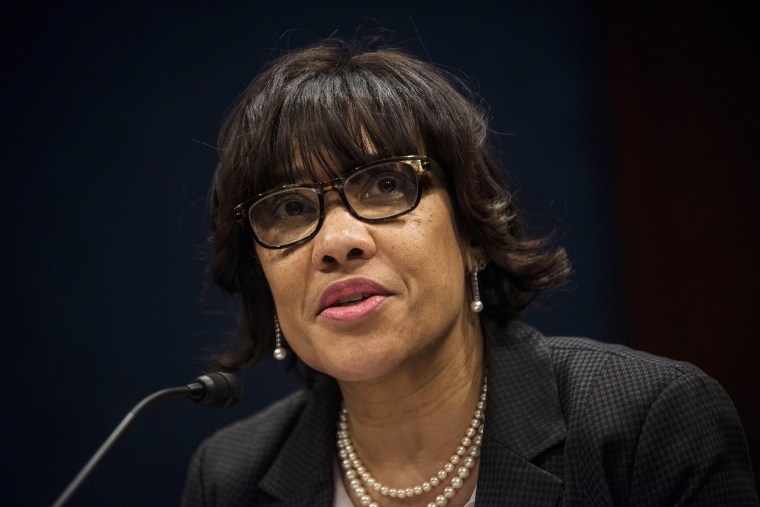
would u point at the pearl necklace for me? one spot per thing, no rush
(466, 454)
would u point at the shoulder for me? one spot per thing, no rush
(229, 466)
(244, 450)
(259, 435)
(664, 424)
(581, 361)
(602, 384)
(579, 367)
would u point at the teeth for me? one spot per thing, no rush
(351, 299)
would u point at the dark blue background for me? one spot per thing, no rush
(110, 113)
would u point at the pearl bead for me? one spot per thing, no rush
(454, 459)
(434, 481)
(476, 306)
(426, 487)
(351, 474)
(384, 491)
(392, 492)
(457, 482)
(469, 462)
(360, 492)
(431, 504)
(401, 493)
(441, 501)
(280, 353)
(478, 440)
(448, 467)
(365, 500)
(449, 492)
(463, 472)
(418, 490)
(442, 474)
(474, 451)
(409, 492)
(467, 441)
(374, 504)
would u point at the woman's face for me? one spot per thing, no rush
(362, 301)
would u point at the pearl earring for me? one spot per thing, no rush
(476, 305)
(279, 351)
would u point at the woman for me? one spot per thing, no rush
(364, 223)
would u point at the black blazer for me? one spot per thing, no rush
(569, 421)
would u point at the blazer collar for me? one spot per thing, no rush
(301, 474)
(523, 417)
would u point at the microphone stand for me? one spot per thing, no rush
(88, 468)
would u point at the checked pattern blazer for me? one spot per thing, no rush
(569, 422)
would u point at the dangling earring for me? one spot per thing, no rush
(279, 351)
(476, 305)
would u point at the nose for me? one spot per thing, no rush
(342, 239)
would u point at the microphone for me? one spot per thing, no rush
(215, 390)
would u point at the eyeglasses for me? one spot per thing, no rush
(376, 192)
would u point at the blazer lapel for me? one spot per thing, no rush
(523, 419)
(301, 475)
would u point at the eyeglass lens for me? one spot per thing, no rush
(374, 193)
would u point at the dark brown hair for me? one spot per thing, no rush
(319, 109)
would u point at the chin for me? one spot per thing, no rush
(362, 368)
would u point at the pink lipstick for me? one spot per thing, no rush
(351, 299)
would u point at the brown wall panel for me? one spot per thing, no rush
(685, 110)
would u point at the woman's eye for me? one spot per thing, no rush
(382, 186)
(385, 185)
(294, 206)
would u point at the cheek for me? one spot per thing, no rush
(284, 274)
(436, 233)
(287, 283)
(433, 252)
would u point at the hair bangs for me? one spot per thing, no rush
(332, 123)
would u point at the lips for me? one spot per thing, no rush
(351, 299)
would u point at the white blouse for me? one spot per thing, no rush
(341, 498)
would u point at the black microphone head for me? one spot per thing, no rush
(216, 390)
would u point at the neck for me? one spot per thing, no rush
(406, 425)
